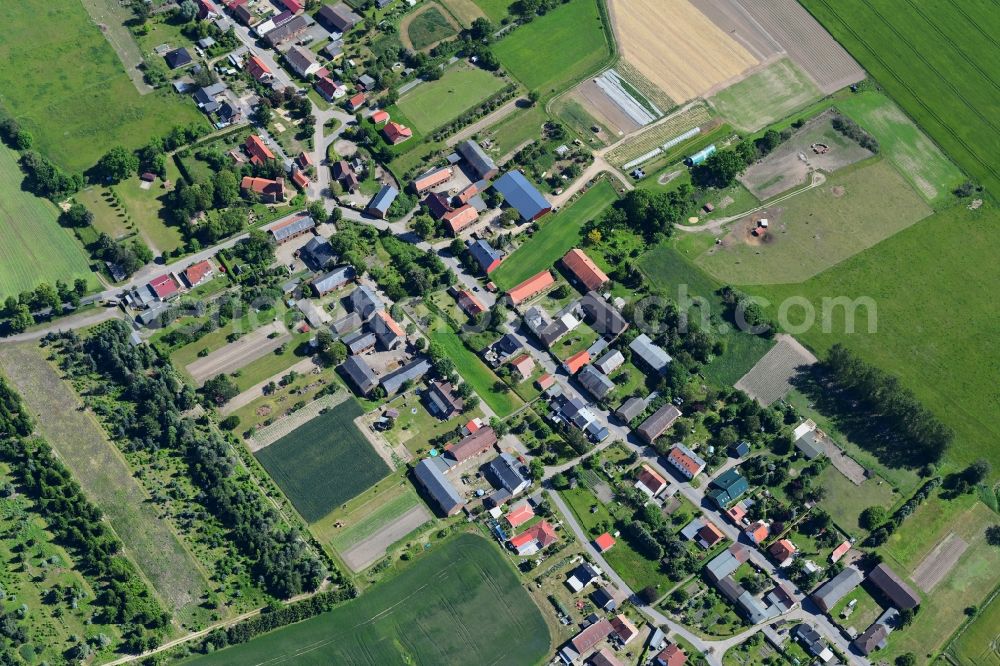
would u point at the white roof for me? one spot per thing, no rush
(803, 428)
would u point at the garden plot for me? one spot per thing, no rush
(939, 562)
(685, 123)
(237, 354)
(272, 433)
(771, 378)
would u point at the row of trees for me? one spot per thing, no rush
(45, 300)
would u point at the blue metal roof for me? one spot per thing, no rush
(518, 192)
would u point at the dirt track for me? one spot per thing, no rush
(367, 552)
(237, 354)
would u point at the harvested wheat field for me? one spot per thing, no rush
(677, 47)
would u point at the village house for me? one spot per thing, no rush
(534, 539)
(530, 288)
(198, 273)
(257, 150)
(330, 89)
(396, 133)
(584, 271)
(338, 18)
(470, 305)
(458, 219)
(302, 61)
(333, 280)
(658, 423)
(286, 231)
(649, 481)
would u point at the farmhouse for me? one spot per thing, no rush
(521, 195)
(302, 61)
(649, 481)
(197, 273)
(330, 89)
(338, 18)
(257, 150)
(360, 374)
(471, 305)
(596, 382)
(430, 475)
(504, 472)
(460, 218)
(407, 374)
(317, 253)
(381, 202)
(727, 488)
(575, 363)
(530, 288)
(601, 316)
(333, 280)
(388, 332)
(630, 409)
(610, 362)
(584, 271)
(359, 341)
(653, 356)
(585, 641)
(477, 159)
(475, 444)
(286, 231)
(658, 423)
(432, 178)
(483, 253)
(396, 133)
(165, 287)
(684, 460)
(441, 400)
(365, 301)
(534, 539)
(287, 32)
(314, 315)
(827, 596)
(893, 587)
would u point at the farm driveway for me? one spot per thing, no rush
(237, 354)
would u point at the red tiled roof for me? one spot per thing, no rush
(195, 273)
(584, 269)
(737, 513)
(300, 179)
(678, 457)
(466, 194)
(261, 185)
(575, 362)
(478, 442)
(391, 323)
(164, 286)
(758, 531)
(395, 133)
(672, 655)
(604, 542)
(530, 287)
(840, 551)
(650, 479)
(710, 534)
(326, 86)
(468, 302)
(292, 5)
(304, 159)
(357, 100)
(460, 218)
(543, 533)
(520, 514)
(523, 364)
(257, 68)
(380, 116)
(545, 381)
(472, 426)
(782, 550)
(432, 178)
(591, 636)
(624, 628)
(258, 151)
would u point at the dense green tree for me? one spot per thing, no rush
(117, 164)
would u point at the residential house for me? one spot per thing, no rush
(430, 475)
(585, 641)
(876, 636)
(441, 400)
(658, 423)
(652, 356)
(521, 195)
(813, 643)
(243, 14)
(782, 552)
(357, 101)
(387, 330)
(610, 362)
(257, 150)
(338, 18)
(582, 576)
(519, 514)
(835, 589)
(287, 32)
(758, 532)
(294, 6)
(458, 219)
(333, 280)
(530, 288)
(165, 287)
(483, 253)
(432, 178)
(584, 271)
(317, 253)
(630, 409)
(807, 440)
(504, 472)
(302, 61)
(365, 301)
(649, 481)
(685, 461)
(409, 373)
(545, 382)
(596, 382)
(624, 630)
(708, 535)
(471, 305)
(330, 89)
(396, 133)
(727, 488)
(727, 562)
(575, 363)
(604, 657)
(207, 10)
(534, 539)
(334, 50)
(197, 273)
(477, 159)
(604, 542)
(893, 587)
(603, 599)
(366, 83)
(177, 58)
(381, 202)
(672, 655)
(360, 374)
(286, 231)
(269, 191)
(300, 179)
(344, 174)
(475, 444)
(524, 365)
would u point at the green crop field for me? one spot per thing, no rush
(495, 10)
(979, 643)
(432, 104)
(855, 209)
(460, 604)
(938, 60)
(325, 462)
(904, 144)
(558, 49)
(428, 27)
(76, 113)
(559, 233)
(766, 96)
(386, 512)
(936, 324)
(33, 247)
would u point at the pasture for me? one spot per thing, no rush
(812, 231)
(495, 10)
(558, 234)
(935, 60)
(33, 247)
(76, 113)
(426, 27)
(431, 613)
(558, 49)
(938, 336)
(323, 463)
(432, 104)
(766, 97)
(978, 643)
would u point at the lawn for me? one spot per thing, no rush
(977, 644)
(433, 104)
(935, 60)
(415, 430)
(516, 129)
(845, 501)
(559, 233)
(76, 113)
(558, 49)
(33, 247)
(431, 613)
(766, 96)
(324, 463)
(373, 517)
(938, 336)
(495, 10)
(472, 369)
(428, 27)
(855, 209)
(109, 481)
(904, 144)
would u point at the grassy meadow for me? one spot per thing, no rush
(324, 462)
(428, 27)
(432, 104)
(557, 49)
(76, 113)
(33, 247)
(766, 96)
(461, 603)
(977, 645)
(495, 10)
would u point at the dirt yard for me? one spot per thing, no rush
(677, 47)
(770, 379)
(373, 548)
(237, 354)
(939, 562)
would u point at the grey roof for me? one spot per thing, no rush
(727, 562)
(597, 431)
(304, 223)
(898, 592)
(837, 587)
(660, 420)
(809, 445)
(300, 59)
(603, 599)
(347, 324)
(383, 200)
(601, 316)
(551, 333)
(630, 409)
(208, 94)
(610, 362)
(443, 400)
(412, 371)
(730, 589)
(651, 354)
(519, 193)
(317, 252)
(477, 158)
(595, 381)
(338, 16)
(484, 254)
(360, 373)
(504, 472)
(438, 486)
(287, 31)
(388, 337)
(338, 277)
(508, 344)
(755, 609)
(358, 341)
(334, 49)
(365, 302)
(177, 58)
(366, 81)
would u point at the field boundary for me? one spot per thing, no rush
(268, 435)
